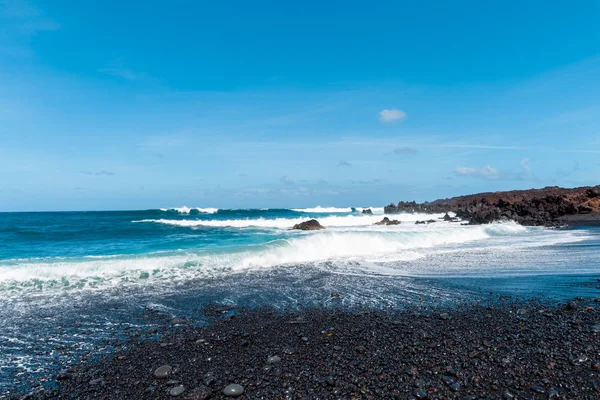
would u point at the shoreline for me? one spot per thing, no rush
(525, 350)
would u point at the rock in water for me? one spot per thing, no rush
(163, 371)
(311, 225)
(233, 390)
(386, 221)
(367, 211)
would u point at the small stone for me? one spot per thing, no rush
(596, 328)
(64, 375)
(538, 389)
(163, 372)
(419, 394)
(96, 381)
(445, 316)
(209, 379)
(233, 390)
(330, 381)
(304, 339)
(177, 390)
(506, 394)
(447, 380)
(273, 360)
(245, 343)
(553, 393)
(289, 351)
(455, 387)
(199, 393)
(572, 306)
(360, 349)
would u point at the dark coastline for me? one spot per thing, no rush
(551, 206)
(510, 350)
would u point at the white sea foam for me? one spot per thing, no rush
(187, 210)
(319, 209)
(362, 246)
(332, 221)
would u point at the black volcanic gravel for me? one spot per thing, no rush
(515, 351)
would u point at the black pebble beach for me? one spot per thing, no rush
(509, 351)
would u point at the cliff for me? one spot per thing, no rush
(550, 206)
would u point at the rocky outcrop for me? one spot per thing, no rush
(367, 211)
(448, 218)
(429, 221)
(310, 225)
(386, 221)
(550, 206)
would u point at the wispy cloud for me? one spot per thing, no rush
(98, 173)
(391, 115)
(405, 151)
(525, 165)
(487, 172)
(492, 173)
(21, 21)
(343, 164)
(286, 180)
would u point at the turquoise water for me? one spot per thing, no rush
(71, 280)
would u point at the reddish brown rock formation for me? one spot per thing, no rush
(549, 206)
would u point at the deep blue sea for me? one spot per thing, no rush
(71, 282)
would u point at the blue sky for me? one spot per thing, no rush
(124, 105)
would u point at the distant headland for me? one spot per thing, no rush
(550, 206)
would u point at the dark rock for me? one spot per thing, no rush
(572, 306)
(538, 389)
(386, 221)
(310, 225)
(367, 211)
(209, 379)
(447, 380)
(419, 394)
(550, 206)
(63, 375)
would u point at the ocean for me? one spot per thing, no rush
(75, 282)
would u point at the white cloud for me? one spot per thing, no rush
(391, 115)
(525, 165)
(488, 172)
(286, 180)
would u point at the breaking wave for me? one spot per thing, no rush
(188, 210)
(363, 246)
